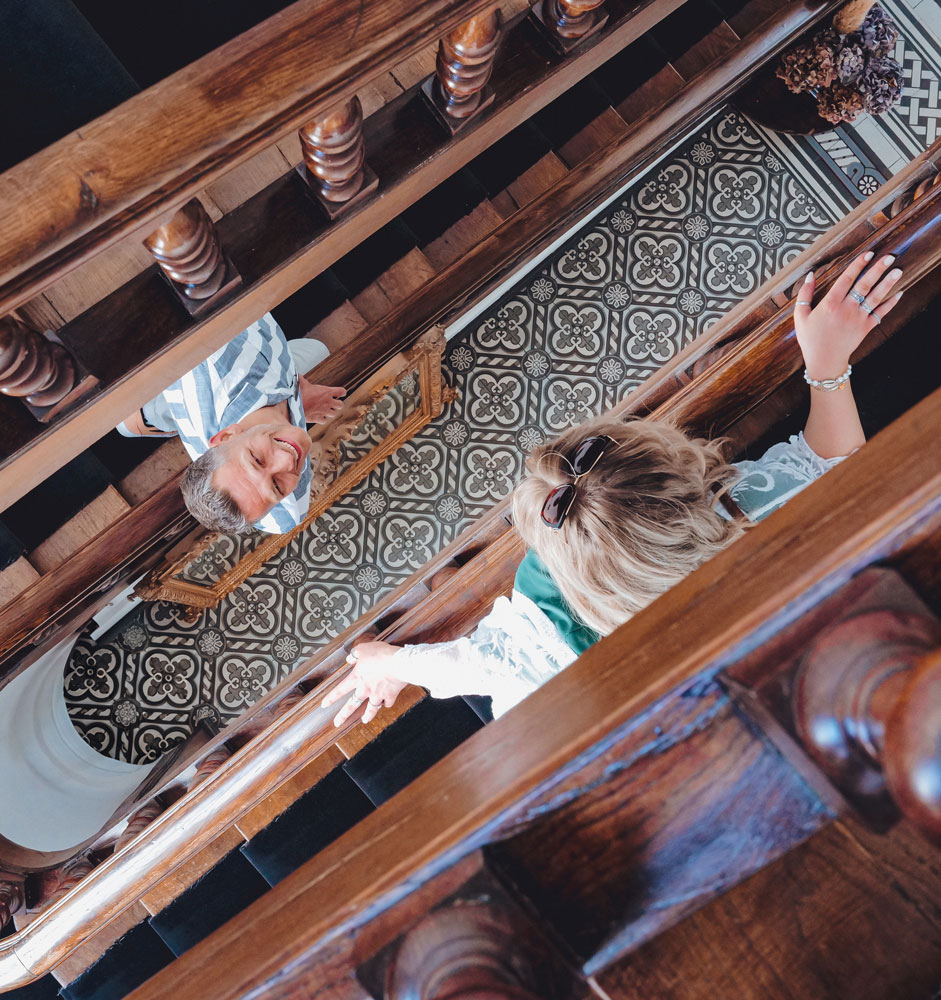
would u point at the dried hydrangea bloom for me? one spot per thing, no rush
(807, 65)
(849, 64)
(880, 84)
(840, 103)
(878, 33)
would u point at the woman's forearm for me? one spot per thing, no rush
(833, 428)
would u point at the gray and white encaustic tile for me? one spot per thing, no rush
(636, 284)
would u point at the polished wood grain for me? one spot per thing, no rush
(187, 250)
(682, 808)
(912, 753)
(811, 546)
(334, 153)
(847, 916)
(11, 899)
(567, 23)
(32, 366)
(463, 66)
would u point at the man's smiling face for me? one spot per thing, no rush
(261, 464)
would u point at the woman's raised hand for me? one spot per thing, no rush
(829, 332)
(372, 680)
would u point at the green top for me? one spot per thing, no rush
(533, 581)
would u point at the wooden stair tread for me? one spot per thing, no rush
(175, 884)
(93, 948)
(156, 470)
(16, 578)
(340, 326)
(597, 134)
(665, 84)
(799, 928)
(539, 178)
(286, 794)
(458, 238)
(247, 179)
(85, 525)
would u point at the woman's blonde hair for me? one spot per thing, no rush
(642, 519)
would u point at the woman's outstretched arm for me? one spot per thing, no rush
(828, 333)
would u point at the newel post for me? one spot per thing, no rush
(334, 167)
(568, 23)
(867, 706)
(458, 90)
(188, 252)
(464, 952)
(40, 370)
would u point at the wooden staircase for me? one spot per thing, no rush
(614, 842)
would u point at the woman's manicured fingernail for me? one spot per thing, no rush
(887, 260)
(868, 255)
(895, 273)
(810, 277)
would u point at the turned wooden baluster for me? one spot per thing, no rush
(32, 366)
(210, 764)
(466, 952)
(568, 23)
(334, 166)
(138, 823)
(11, 900)
(188, 252)
(70, 874)
(458, 90)
(867, 705)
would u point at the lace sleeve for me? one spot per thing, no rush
(783, 471)
(509, 655)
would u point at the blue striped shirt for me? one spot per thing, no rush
(253, 370)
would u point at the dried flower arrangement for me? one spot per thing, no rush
(848, 67)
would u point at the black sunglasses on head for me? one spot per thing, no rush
(560, 499)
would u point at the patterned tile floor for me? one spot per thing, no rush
(636, 284)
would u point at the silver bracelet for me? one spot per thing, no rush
(829, 384)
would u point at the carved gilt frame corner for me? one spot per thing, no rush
(424, 358)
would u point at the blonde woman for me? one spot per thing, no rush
(616, 512)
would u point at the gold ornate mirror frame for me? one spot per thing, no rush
(328, 482)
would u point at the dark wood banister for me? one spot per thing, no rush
(132, 167)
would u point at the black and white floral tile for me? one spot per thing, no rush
(636, 284)
(853, 160)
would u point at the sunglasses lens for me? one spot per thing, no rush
(588, 453)
(557, 505)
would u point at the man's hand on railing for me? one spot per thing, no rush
(321, 402)
(370, 680)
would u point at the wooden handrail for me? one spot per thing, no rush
(746, 594)
(137, 164)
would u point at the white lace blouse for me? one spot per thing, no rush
(516, 648)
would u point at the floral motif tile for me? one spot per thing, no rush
(636, 284)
